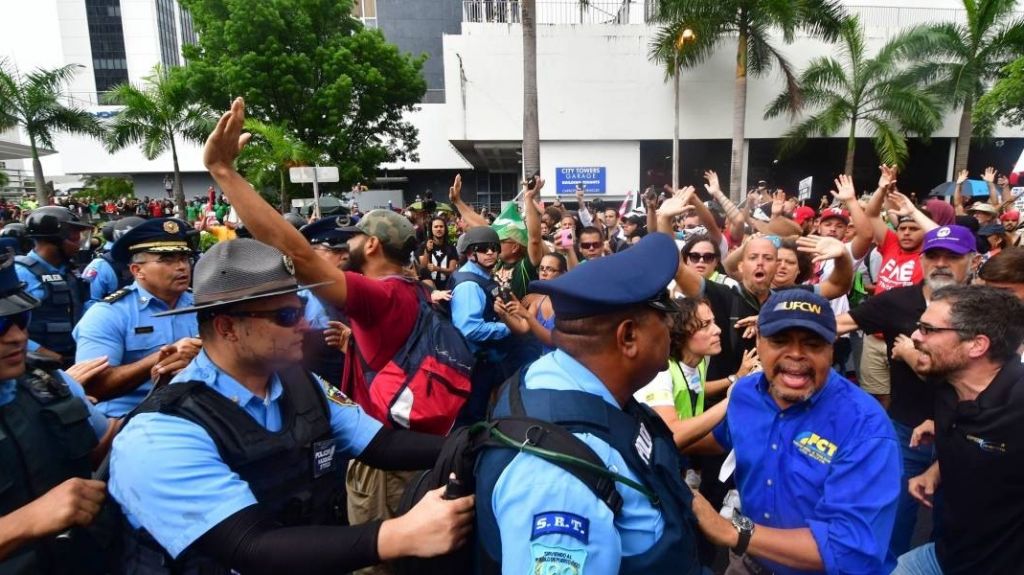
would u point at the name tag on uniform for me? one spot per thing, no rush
(323, 457)
(561, 523)
(50, 278)
(144, 329)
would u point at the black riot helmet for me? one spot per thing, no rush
(17, 231)
(107, 231)
(55, 224)
(295, 220)
(122, 226)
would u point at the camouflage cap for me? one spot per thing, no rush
(394, 230)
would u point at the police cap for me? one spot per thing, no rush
(605, 285)
(160, 235)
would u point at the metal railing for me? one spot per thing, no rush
(559, 11)
(644, 11)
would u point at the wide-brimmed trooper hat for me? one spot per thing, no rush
(241, 270)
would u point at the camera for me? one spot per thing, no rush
(505, 293)
(532, 182)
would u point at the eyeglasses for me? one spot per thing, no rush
(927, 329)
(590, 245)
(20, 319)
(707, 258)
(548, 269)
(283, 316)
(485, 248)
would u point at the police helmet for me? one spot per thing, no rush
(295, 220)
(481, 235)
(123, 225)
(17, 231)
(53, 223)
(107, 231)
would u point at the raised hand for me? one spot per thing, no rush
(713, 187)
(778, 203)
(455, 191)
(845, 190)
(675, 205)
(902, 204)
(961, 177)
(989, 175)
(822, 247)
(227, 139)
(337, 335)
(888, 176)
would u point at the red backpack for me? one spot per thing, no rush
(424, 386)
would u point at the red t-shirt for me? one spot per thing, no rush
(382, 313)
(899, 268)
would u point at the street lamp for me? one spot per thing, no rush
(686, 36)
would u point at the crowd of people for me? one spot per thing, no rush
(694, 386)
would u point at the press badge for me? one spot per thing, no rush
(549, 560)
(323, 457)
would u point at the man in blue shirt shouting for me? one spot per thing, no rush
(817, 463)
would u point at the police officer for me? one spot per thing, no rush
(123, 326)
(479, 313)
(612, 335)
(104, 274)
(330, 242)
(232, 464)
(17, 230)
(48, 431)
(48, 275)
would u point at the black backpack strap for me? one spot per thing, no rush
(557, 446)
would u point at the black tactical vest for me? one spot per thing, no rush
(45, 439)
(293, 473)
(59, 310)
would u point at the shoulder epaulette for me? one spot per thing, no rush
(114, 296)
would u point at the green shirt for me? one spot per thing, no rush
(523, 272)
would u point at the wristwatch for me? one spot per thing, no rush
(732, 378)
(745, 527)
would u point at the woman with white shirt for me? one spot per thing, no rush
(678, 394)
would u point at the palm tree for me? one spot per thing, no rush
(269, 155)
(531, 121)
(751, 23)
(961, 60)
(666, 49)
(877, 92)
(36, 103)
(156, 115)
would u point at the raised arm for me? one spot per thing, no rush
(535, 247)
(265, 223)
(958, 193)
(689, 282)
(840, 280)
(905, 207)
(469, 215)
(874, 209)
(989, 175)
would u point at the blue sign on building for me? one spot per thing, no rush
(593, 180)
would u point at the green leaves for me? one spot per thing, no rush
(309, 67)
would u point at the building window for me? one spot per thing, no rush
(188, 32)
(167, 28)
(366, 11)
(106, 39)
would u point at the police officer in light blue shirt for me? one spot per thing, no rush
(124, 327)
(612, 335)
(817, 462)
(48, 276)
(231, 465)
(329, 240)
(48, 433)
(104, 274)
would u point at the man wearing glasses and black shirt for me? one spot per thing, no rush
(969, 337)
(945, 261)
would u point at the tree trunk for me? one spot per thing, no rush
(963, 138)
(531, 122)
(851, 147)
(675, 129)
(739, 120)
(42, 193)
(179, 192)
(284, 192)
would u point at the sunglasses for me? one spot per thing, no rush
(283, 316)
(485, 248)
(927, 329)
(590, 245)
(707, 258)
(20, 319)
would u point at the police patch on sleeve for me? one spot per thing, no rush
(335, 395)
(552, 560)
(561, 523)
